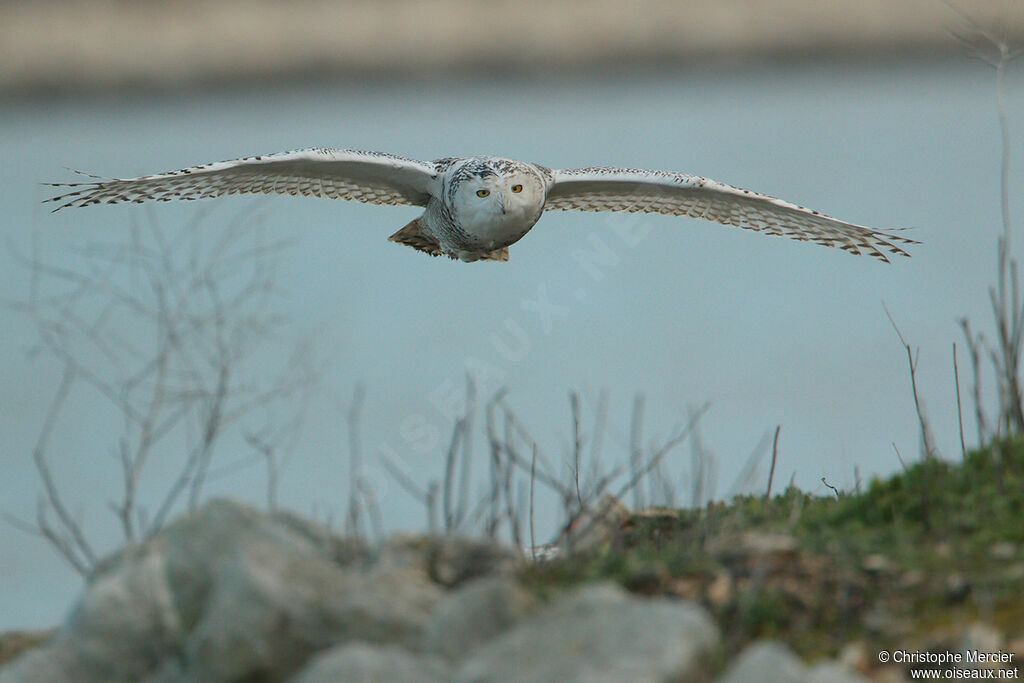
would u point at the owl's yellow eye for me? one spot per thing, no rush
(517, 188)
(482, 193)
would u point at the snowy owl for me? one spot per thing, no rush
(475, 207)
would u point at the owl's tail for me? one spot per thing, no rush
(412, 235)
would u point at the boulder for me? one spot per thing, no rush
(229, 593)
(599, 633)
(474, 614)
(769, 660)
(368, 663)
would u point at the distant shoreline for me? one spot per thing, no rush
(75, 46)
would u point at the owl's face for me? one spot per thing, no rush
(504, 194)
(498, 202)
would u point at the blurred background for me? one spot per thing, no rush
(878, 112)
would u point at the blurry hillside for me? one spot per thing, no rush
(86, 44)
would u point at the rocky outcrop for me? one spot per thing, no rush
(600, 633)
(773, 661)
(230, 594)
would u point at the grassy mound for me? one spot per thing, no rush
(906, 563)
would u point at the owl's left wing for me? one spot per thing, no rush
(629, 190)
(371, 177)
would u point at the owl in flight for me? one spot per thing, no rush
(475, 207)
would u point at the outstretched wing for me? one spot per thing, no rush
(621, 189)
(370, 177)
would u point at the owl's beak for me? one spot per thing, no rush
(504, 205)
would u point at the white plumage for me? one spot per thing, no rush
(475, 207)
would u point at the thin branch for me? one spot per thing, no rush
(211, 430)
(266, 450)
(926, 438)
(574, 402)
(77, 543)
(701, 463)
(748, 473)
(404, 480)
(542, 471)
(449, 476)
(373, 507)
(462, 504)
(597, 437)
(959, 409)
(775, 455)
(599, 517)
(491, 526)
(355, 460)
(545, 474)
(635, 448)
(533, 481)
(695, 416)
(427, 497)
(973, 345)
(1005, 296)
(505, 471)
(899, 456)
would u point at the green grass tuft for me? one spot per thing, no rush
(909, 562)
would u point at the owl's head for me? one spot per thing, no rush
(496, 188)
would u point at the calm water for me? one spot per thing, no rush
(768, 331)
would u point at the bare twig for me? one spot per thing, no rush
(574, 402)
(926, 438)
(427, 497)
(959, 409)
(462, 504)
(899, 457)
(599, 516)
(70, 541)
(404, 480)
(597, 437)
(266, 450)
(505, 472)
(491, 525)
(690, 428)
(201, 313)
(543, 469)
(533, 482)
(748, 474)
(635, 448)
(973, 347)
(450, 521)
(1005, 296)
(355, 461)
(211, 431)
(373, 508)
(701, 464)
(775, 455)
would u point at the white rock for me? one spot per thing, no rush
(270, 610)
(121, 629)
(834, 672)
(228, 593)
(766, 660)
(599, 633)
(365, 663)
(474, 614)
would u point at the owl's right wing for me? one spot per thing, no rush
(371, 177)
